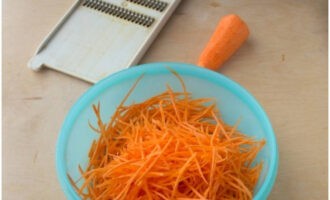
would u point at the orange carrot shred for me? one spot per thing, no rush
(167, 147)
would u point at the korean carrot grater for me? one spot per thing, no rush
(96, 38)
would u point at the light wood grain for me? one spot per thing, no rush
(284, 64)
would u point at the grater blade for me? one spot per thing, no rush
(100, 37)
(153, 4)
(120, 12)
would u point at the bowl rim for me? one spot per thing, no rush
(161, 68)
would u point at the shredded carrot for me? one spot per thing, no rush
(170, 146)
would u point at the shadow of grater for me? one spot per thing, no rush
(96, 38)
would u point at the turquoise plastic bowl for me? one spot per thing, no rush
(233, 100)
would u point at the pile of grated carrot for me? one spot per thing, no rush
(170, 146)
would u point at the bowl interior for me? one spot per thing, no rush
(233, 102)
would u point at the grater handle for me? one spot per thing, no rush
(228, 37)
(34, 63)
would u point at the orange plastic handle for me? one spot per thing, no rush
(229, 35)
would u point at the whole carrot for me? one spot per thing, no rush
(229, 35)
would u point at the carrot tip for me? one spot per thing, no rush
(228, 37)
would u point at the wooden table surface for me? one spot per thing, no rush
(283, 64)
